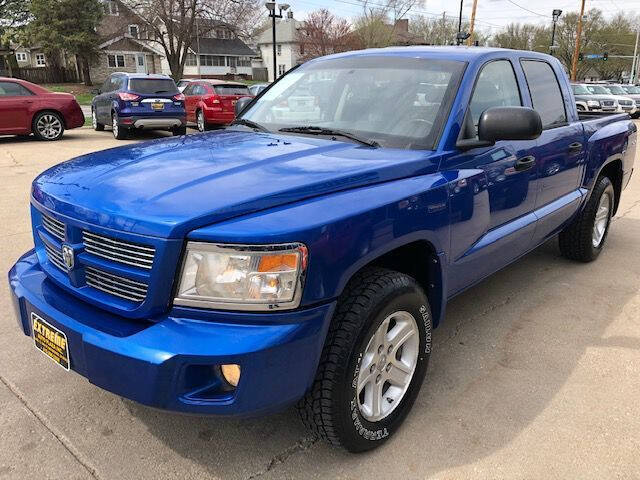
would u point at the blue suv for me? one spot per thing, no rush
(130, 102)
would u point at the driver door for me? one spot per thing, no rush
(494, 193)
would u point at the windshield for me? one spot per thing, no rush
(152, 85)
(580, 90)
(231, 90)
(397, 102)
(598, 89)
(616, 90)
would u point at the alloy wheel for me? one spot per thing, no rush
(601, 221)
(49, 126)
(388, 365)
(200, 121)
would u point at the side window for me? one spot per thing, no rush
(188, 90)
(496, 87)
(11, 89)
(545, 92)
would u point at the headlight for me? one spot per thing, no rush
(593, 103)
(242, 277)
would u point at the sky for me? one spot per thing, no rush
(491, 15)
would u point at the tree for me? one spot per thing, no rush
(377, 25)
(52, 26)
(322, 33)
(442, 30)
(176, 24)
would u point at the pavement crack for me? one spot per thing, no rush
(59, 436)
(300, 446)
(627, 211)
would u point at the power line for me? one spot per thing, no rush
(524, 8)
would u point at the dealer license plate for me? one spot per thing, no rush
(157, 106)
(50, 341)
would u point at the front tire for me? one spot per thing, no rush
(585, 237)
(97, 126)
(48, 126)
(373, 362)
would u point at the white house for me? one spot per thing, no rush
(287, 47)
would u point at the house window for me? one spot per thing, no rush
(40, 61)
(133, 31)
(21, 56)
(279, 49)
(212, 60)
(191, 61)
(219, 33)
(111, 7)
(232, 62)
(281, 69)
(115, 61)
(244, 61)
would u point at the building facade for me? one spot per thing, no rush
(287, 47)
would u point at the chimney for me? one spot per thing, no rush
(402, 25)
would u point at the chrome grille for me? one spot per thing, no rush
(608, 103)
(55, 256)
(116, 285)
(118, 250)
(54, 227)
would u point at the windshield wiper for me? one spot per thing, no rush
(312, 130)
(250, 124)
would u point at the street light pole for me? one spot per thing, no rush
(555, 15)
(634, 67)
(271, 6)
(459, 42)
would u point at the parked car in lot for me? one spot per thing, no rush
(307, 259)
(587, 101)
(182, 83)
(622, 104)
(129, 102)
(27, 108)
(256, 88)
(626, 102)
(633, 92)
(212, 102)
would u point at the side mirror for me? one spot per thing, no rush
(242, 103)
(509, 123)
(95, 91)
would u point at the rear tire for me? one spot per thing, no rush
(201, 122)
(360, 363)
(119, 133)
(179, 131)
(585, 237)
(48, 126)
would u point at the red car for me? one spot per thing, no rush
(212, 102)
(28, 108)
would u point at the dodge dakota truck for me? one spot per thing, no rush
(304, 254)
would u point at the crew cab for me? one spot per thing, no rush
(289, 260)
(27, 108)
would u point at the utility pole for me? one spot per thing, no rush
(473, 21)
(576, 52)
(634, 67)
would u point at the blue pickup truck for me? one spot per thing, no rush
(304, 254)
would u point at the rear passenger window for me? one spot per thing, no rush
(545, 93)
(496, 87)
(11, 89)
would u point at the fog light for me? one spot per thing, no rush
(231, 373)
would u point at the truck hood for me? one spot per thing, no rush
(169, 187)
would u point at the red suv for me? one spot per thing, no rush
(212, 102)
(28, 108)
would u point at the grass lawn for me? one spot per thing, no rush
(80, 91)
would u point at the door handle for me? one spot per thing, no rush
(575, 147)
(525, 163)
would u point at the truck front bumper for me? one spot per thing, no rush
(173, 362)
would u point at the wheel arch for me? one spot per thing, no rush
(419, 259)
(614, 171)
(47, 110)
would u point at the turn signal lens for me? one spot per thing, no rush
(278, 263)
(231, 373)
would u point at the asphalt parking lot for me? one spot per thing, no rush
(534, 375)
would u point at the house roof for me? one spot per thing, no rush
(218, 46)
(285, 32)
(125, 43)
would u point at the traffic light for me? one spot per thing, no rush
(605, 57)
(580, 57)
